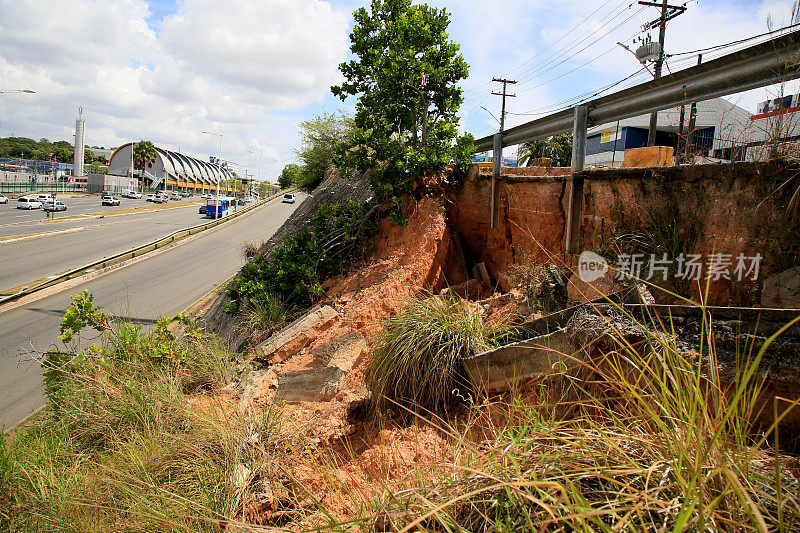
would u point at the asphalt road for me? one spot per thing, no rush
(80, 205)
(74, 243)
(162, 285)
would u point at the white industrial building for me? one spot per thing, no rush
(180, 171)
(720, 126)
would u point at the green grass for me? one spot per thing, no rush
(418, 362)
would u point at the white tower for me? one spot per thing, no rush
(79, 144)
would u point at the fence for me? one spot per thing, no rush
(21, 187)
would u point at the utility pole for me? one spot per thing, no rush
(504, 94)
(688, 148)
(668, 13)
(497, 157)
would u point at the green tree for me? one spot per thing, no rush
(404, 74)
(63, 154)
(320, 138)
(88, 156)
(556, 147)
(290, 175)
(144, 153)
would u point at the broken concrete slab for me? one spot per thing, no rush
(314, 319)
(469, 290)
(582, 292)
(315, 385)
(499, 369)
(782, 291)
(342, 351)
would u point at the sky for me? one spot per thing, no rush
(168, 70)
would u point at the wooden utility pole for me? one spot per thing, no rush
(497, 157)
(668, 13)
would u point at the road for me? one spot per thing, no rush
(162, 285)
(80, 205)
(74, 243)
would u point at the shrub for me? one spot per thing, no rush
(418, 361)
(300, 263)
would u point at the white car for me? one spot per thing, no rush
(109, 200)
(27, 202)
(150, 198)
(135, 194)
(288, 198)
(44, 198)
(54, 206)
(3, 199)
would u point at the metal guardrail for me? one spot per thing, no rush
(773, 61)
(139, 250)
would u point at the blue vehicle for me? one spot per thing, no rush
(222, 207)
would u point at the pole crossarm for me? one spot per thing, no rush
(767, 63)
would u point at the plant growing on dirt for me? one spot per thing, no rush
(405, 75)
(540, 284)
(265, 313)
(418, 361)
(297, 267)
(320, 137)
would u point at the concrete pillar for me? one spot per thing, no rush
(497, 165)
(575, 194)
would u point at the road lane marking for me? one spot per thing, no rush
(17, 238)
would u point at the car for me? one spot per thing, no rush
(205, 196)
(203, 209)
(160, 199)
(3, 199)
(44, 198)
(186, 194)
(174, 196)
(109, 200)
(288, 198)
(127, 193)
(54, 206)
(150, 198)
(27, 202)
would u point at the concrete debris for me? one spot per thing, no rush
(319, 384)
(782, 291)
(469, 290)
(342, 351)
(314, 320)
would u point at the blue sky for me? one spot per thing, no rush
(167, 70)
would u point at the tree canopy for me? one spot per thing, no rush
(558, 148)
(320, 138)
(144, 153)
(290, 175)
(405, 75)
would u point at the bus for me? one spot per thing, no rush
(227, 205)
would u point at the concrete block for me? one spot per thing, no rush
(343, 351)
(469, 290)
(315, 318)
(782, 291)
(315, 385)
(498, 369)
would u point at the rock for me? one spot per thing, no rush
(782, 290)
(239, 476)
(297, 330)
(480, 272)
(469, 290)
(582, 292)
(649, 156)
(314, 385)
(342, 351)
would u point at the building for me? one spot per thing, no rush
(180, 171)
(719, 127)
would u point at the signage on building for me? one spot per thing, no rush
(609, 136)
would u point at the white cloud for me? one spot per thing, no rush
(211, 62)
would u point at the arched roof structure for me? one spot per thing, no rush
(179, 169)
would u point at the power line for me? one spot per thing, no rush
(504, 94)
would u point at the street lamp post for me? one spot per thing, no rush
(219, 168)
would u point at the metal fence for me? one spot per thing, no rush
(21, 187)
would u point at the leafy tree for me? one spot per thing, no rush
(404, 73)
(88, 156)
(290, 175)
(63, 154)
(144, 153)
(556, 147)
(320, 137)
